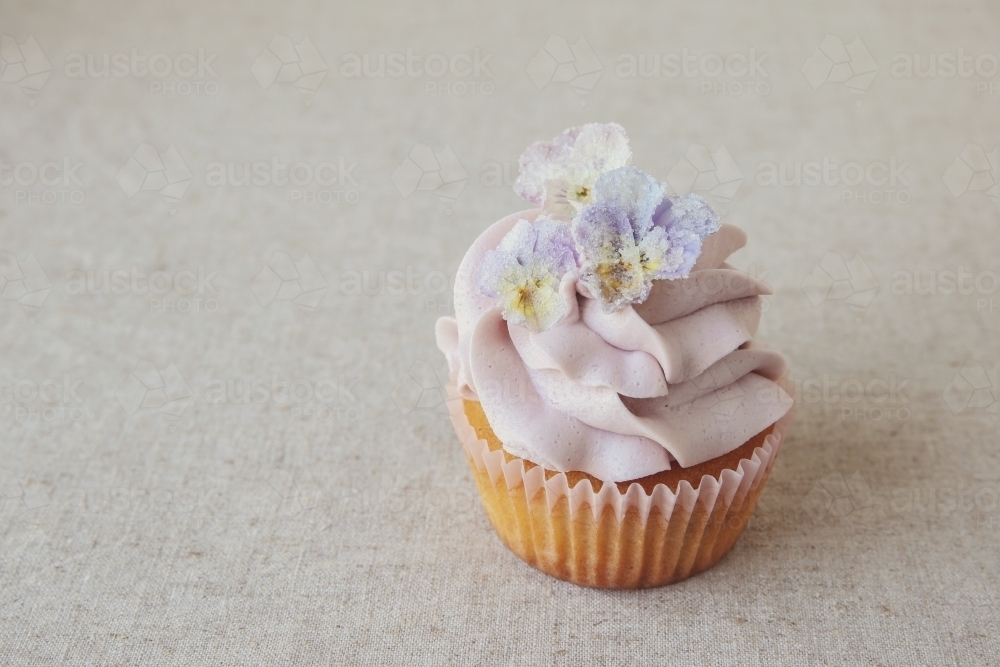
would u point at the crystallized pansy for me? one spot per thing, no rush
(631, 234)
(525, 271)
(559, 175)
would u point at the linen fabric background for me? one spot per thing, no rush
(222, 433)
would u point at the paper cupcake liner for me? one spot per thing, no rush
(610, 539)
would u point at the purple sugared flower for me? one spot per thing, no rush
(525, 272)
(631, 234)
(559, 175)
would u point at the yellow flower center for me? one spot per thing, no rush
(524, 295)
(615, 277)
(648, 265)
(523, 299)
(579, 193)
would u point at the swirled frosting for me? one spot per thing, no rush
(672, 380)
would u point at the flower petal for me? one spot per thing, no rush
(578, 157)
(525, 270)
(631, 190)
(612, 262)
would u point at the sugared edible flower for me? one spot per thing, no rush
(631, 235)
(526, 270)
(559, 175)
(610, 222)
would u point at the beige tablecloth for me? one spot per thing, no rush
(227, 233)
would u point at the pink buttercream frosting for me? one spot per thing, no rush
(673, 380)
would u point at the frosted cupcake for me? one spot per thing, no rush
(618, 419)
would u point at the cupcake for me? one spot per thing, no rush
(618, 419)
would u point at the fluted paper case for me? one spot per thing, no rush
(613, 537)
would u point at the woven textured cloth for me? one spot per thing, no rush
(227, 232)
